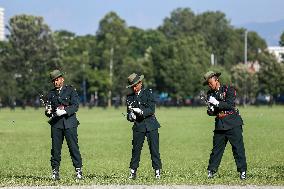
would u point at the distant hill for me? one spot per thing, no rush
(270, 31)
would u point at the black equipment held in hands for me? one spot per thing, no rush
(47, 105)
(44, 102)
(130, 114)
(203, 97)
(210, 107)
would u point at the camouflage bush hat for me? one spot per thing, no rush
(133, 79)
(210, 74)
(55, 74)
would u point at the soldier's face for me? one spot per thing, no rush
(213, 83)
(58, 82)
(136, 88)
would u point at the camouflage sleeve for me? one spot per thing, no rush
(74, 103)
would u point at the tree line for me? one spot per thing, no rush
(173, 57)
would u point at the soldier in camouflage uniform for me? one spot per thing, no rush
(62, 105)
(228, 124)
(141, 111)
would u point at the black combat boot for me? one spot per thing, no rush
(211, 173)
(243, 175)
(55, 174)
(132, 174)
(157, 173)
(79, 173)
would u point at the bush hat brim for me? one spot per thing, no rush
(133, 79)
(209, 75)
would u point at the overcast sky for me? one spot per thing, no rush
(82, 16)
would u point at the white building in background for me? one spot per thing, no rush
(278, 52)
(2, 24)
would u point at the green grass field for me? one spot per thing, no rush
(105, 143)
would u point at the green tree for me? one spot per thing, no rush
(142, 65)
(185, 62)
(245, 82)
(281, 42)
(271, 76)
(112, 37)
(32, 55)
(215, 29)
(76, 55)
(8, 89)
(256, 45)
(140, 40)
(179, 24)
(63, 40)
(99, 85)
(145, 54)
(221, 38)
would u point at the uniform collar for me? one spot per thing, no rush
(219, 89)
(139, 92)
(59, 91)
(222, 87)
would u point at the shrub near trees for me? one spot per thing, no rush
(172, 57)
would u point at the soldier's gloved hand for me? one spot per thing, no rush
(213, 101)
(132, 116)
(138, 110)
(60, 112)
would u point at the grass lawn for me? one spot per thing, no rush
(105, 144)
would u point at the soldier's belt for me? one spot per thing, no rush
(223, 114)
(152, 115)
